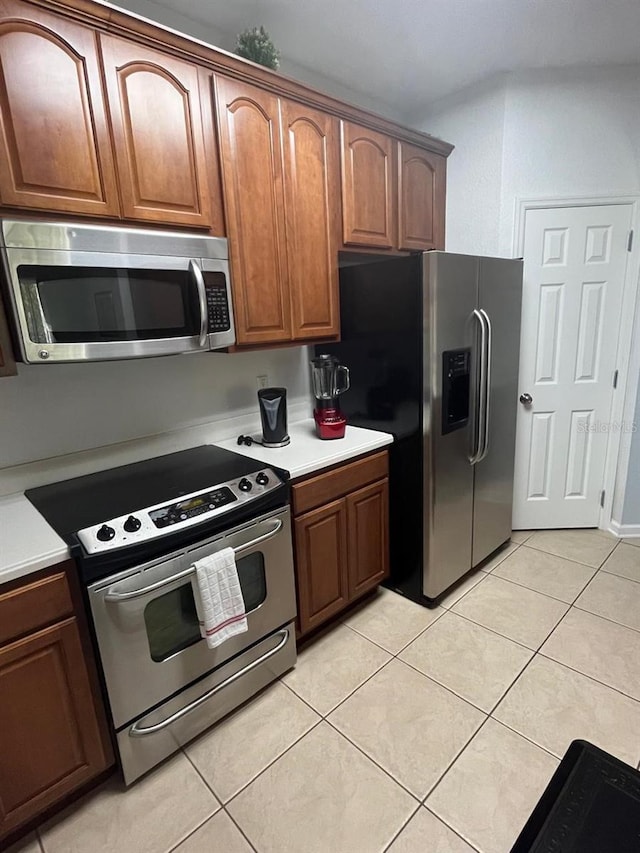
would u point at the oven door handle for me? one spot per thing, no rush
(137, 730)
(114, 596)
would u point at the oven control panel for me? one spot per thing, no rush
(155, 521)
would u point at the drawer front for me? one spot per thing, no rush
(34, 605)
(332, 485)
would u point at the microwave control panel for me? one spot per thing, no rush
(218, 307)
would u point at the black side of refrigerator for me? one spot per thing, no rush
(381, 311)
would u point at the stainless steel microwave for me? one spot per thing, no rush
(90, 293)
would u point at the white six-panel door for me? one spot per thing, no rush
(574, 267)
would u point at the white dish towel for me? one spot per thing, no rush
(219, 601)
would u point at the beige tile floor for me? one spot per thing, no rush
(405, 729)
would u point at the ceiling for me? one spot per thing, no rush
(412, 52)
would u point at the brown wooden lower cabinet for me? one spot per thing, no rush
(341, 546)
(53, 736)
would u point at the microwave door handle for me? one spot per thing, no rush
(196, 273)
(114, 596)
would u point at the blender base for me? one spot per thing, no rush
(330, 423)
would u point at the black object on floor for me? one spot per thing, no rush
(591, 805)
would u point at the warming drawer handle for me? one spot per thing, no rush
(152, 587)
(137, 730)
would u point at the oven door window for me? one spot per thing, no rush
(171, 620)
(68, 304)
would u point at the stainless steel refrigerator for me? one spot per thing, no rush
(432, 342)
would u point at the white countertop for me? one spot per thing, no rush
(308, 453)
(28, 543)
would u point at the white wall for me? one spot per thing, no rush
(474, 122)
(226, 41)
(53, 409)
(543, 134)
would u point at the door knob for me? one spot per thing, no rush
(526, 399)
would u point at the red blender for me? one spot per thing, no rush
(329, 379)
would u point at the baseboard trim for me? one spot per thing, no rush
(626, 531)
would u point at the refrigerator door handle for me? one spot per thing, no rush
(487, 386)
(481, 420)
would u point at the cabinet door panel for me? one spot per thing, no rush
(311, 152)
(55, 150)
(368, 525)
(421, 198)
(50, 742)
(250, 147)
(368, 184)
(321, 564)
(154, 103)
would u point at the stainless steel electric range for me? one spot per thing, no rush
(136, 532)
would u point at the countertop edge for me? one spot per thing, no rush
(45, 559)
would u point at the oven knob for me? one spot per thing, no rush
(105, 533)
(245, 485)
(262, 479)
(132, 524)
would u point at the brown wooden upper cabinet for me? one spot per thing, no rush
(368, 187)
(393, 193)
(421, 198)
(312, 206)
(55, 150)
(155, 108)
(249, 125)
(280, 172)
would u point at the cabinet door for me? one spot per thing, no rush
(154, 104)
(7, 361)
(311, 175)
(321, 564)
(421, 198)
(249, 130)
(368, 526)
(368, 187)
(50, 741)
(55, 150)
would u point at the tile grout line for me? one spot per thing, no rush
(450, 765)
(240, 829)
(537, 591)
(402, 828)
(547, 594)
(193, 831)
(492, 630)
(570, 559)
(225, 804)
(547, 656)
(217, 799)
(527, 738)
(455, 831)
(467, 745)
(363, 752)
(616, 575)
(607, 619)
(222, 805)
